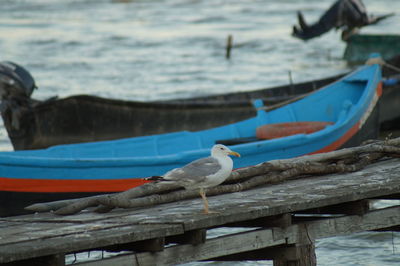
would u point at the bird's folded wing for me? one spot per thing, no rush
(196, 171)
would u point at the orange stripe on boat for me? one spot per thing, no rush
(68, 185)
(379, 89)
(338, 143)
(279, 130)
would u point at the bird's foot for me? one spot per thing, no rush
(210, 212)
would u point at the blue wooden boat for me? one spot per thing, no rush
(346, 107)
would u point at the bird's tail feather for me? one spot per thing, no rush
(155, 178)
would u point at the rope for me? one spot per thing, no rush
(392, 67)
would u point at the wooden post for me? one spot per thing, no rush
(297, 255)
(282, 221)
(291, 82)
(229, 46)
(302, 253)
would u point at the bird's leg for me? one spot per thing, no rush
(203, 196)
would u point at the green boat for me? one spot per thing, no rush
(360, 46)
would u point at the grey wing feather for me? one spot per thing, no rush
(194, 172)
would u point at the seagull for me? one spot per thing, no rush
(203, 173)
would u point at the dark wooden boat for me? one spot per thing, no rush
(83, 118)
(33, 124)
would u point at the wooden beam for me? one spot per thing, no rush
(294, 236)
(391, 229)
(281, 253)
(376, 219)
(358, 207)
(92, 239)
(53, 260)
(267, 253)
(214, 247)
(281, 220)
(393, 196)
(193, 237)
(150, 245)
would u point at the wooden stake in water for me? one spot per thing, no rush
(229, 46)
(291, 82)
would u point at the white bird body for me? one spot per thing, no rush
(206, 172)
(222, 174)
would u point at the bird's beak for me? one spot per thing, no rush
(234, 153)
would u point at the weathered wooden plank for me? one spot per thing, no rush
(32, 231)
(211, 248)
(260, 239)
(50, 226)
(288, 255)
(83, 217)
(372, 220)
(91, 239)
(8, 224)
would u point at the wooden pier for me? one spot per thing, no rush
(282, 223)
